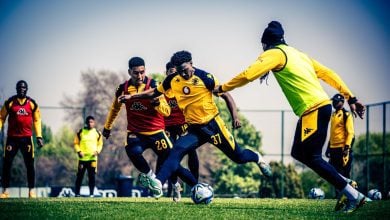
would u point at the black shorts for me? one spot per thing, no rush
(25, 144)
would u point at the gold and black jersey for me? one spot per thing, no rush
(194, 96)
(341, 132)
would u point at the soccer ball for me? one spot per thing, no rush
(316, 193)
(202, 193)
(374, 194)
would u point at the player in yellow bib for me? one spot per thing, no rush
(298, 75)
(88, 144)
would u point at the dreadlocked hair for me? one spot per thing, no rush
(264, 77)
(181, 57)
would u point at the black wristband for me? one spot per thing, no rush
(220, 89)
(352, 100)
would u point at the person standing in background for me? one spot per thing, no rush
(88, 144)
(23, 115)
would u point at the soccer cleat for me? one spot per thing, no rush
(153, 184)
(265, 169)
(176, 192)
(353, 205)
(340, 204)
(32, 194)
(4, 195)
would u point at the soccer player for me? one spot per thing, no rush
(24, 115)
(145, 121)
(341, 137)
(88, 143)
(175, 127)
(192, 88)
(298, 75)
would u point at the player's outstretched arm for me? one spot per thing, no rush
(232, 109)
(148, 94)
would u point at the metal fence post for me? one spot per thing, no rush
(384, 152)
(282, 154)
(367, 138)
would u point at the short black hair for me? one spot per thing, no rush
(89, 118)
(136, 61)
(181, 57)
(20, 82)
(168, 66)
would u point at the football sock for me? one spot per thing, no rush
(345, 178)
(151, 174)
(350, 192)
(261, 159)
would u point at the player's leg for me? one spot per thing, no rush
(172, 163)
(27, 149)
(81, 168)
(220, 137)
(309, 152)
(336, 159)
(10, 149)
(91, 169)
(348, 166)
(182, 146)
(193, 163)
(134, 149)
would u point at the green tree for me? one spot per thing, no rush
(56, 162)
(283, 176)
(377, 157)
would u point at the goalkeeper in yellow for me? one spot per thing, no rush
(88, 143)
(298, 75)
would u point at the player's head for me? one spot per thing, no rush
(170, 68)
(182, 60)
(90, 122)
(338, 101)
(272, 35)
(21, 89)
(137, 70)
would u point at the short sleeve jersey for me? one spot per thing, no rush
(194, 96)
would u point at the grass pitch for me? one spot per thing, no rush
(149, 208)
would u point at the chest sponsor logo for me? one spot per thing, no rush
(195, 81)
(22, 111)
(137, 106)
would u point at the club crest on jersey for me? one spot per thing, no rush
(22, 111)
(137, 106)
(195, 81)
(9, 148)
(186, 90)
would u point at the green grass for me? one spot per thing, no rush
(149, 208)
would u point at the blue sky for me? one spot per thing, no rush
(47, 43)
